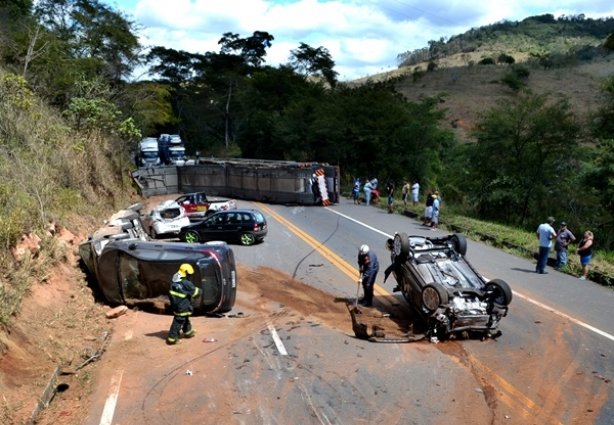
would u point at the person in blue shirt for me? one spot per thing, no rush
(368, 267)
(545, 234)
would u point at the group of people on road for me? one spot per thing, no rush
(562, 239)
(371, 192)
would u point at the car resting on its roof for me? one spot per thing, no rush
(445, 290)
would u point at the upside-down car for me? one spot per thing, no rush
(446, 291)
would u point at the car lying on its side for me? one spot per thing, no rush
(166, 219)
(246, 226)
(131, 269)
(440, 285)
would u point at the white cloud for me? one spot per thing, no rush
(363, 37)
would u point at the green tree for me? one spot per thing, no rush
(252, 49)
(524, 158)
(311, 61)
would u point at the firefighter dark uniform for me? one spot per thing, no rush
(181, 294)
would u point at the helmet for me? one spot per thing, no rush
(364, 249)
(185, 269)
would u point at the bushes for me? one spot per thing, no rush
(516, 77)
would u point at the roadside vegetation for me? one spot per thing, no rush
(70, 118)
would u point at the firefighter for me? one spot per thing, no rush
(368, 266)
(181, 294)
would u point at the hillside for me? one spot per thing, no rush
(564, 57)
(466, 92)
(541, 37)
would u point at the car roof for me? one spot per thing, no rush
(240, 210)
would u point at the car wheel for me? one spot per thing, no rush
(247, 239)
(460, 243)
(191, 236)
(499, 292)
(433, 296)
(401, 245)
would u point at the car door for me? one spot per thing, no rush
(214, 228)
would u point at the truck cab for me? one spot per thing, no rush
(149, 154)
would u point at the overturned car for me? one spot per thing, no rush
(129, 268)
(441, 286)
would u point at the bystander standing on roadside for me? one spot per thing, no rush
(545, 233)
(415, 192)
(390, 193)
(436, 208)
(585, 251)
(405, 191)
(563, 238)
(367, 189)
(356, 191)
(428, 210)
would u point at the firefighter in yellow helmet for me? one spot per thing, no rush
(181, 294)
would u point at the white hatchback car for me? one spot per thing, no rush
(166, 219)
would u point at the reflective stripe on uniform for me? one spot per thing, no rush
(177, 294)
(196, 292)
(184, 313)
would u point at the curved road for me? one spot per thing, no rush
(552, 365)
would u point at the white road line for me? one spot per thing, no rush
(358, 222)
(109, 406)
(524, 297)
(565, 316)
(277, 339)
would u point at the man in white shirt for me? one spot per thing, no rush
(545, 233)
(415, 192)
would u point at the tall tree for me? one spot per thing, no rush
(93, 32)
(524, 158)
(311, 61)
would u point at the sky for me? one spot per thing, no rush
(363, 37)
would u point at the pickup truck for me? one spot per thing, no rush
(198, 205)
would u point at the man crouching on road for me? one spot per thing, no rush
(368, 266)
(181, 294)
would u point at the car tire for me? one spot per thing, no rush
(247, 239)
(191, 236)
(434, 296)
(400, 246)
(460, 243)
(500, 292)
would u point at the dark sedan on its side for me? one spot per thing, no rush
(245, 226)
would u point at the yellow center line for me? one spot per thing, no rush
(508, 393)
(385, 297)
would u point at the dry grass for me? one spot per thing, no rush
(467, 91)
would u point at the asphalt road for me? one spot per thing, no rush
(552, 365)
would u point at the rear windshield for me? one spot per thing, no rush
(170, 213)
(259, 218)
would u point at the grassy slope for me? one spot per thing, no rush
(469, 90)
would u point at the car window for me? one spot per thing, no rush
(170, 213)
(130, 278)
(210, 283)
(259, 217)
(219, 218)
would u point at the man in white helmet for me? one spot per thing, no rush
(368, 267)
(181, 294)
